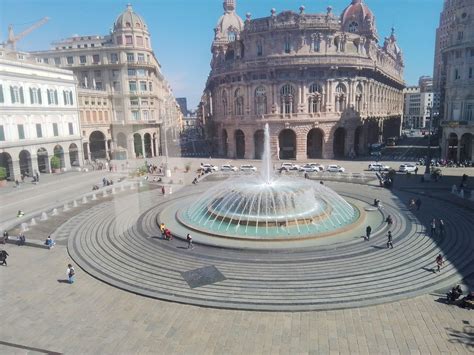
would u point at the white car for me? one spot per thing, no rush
(378, 167)
(407, 168)
(288, 167)
(248, 168)
(319, 166)
(211, 167)
(229, 168)
(335, 169)
(308, 168)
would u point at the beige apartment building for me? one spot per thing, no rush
(454, 77)
(326, 84)
(125, 103)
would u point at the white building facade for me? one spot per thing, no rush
(39, 116)
(418, 103)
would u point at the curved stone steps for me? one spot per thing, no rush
(135, 262)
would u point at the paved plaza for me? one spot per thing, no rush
(357, 297)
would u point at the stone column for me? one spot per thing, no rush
(130, 148)
(153, 144)
(328, 146)
(301, 144)
(48, 164)
(231, 143)
(249, 145)
(15, 173)
(458, 150)
(67, 161)
(143, 147)
(34, 164)
(88, 146)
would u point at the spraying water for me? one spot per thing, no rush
(266, 172)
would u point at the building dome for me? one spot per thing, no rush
(130, 20)
(358, 18)
(230, 24)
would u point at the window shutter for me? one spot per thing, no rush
(56, 97)
(48, 93)
(12, 94)
(31, 96)
(39, 97)
(22, 98)
(70, 96)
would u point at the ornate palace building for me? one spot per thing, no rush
(322, 82)
(454, 78)
(125, 103)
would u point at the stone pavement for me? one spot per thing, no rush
(91, 317)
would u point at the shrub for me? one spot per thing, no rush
(55, 162)
(3, 173)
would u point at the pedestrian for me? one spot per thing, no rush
(37, 176)
(190, 241)
(50, 242)
(418, 204)
(3, 257)
(389, 241)
(439, 262)
(162, 228)
(389, 220)
(306, 175)
(433, 228)
(5, 237)
(20, 214)
(441, 228)
(168, 235)
(321, 182)
(416, 171)
(70, 272)
(368, 230)
(163, 190)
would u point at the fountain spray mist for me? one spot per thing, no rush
(266, 173)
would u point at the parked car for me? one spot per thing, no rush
(209, 167)
(308, 168)
(289, 167)
(335, 169)
(228, 167)
(319, 166)
(248, 168)
(407, 168)
(378, 167)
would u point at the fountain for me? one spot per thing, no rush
(268, 206)
(66, 207)
(24, 227)
(44, 216)
(461, 193)
(94, 197)
(84, 200)
(33, 222)
(74, 204)
(54, 212)
(104, 193)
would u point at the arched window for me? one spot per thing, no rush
(340, 98)
(287, 45)
(287, 93)
(224, 103)
(238, 103)
(358, 98)
(259, 48)
(353, 26)
(231, 35)
(315, 98)
(260, 101)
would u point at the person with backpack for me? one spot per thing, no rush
(368, 231)
(190, 241)
(389, 240)
(439, 262)
(3, 257)
(70, 273)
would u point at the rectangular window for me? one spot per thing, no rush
(57, 61)
(456, 74)
(2, 133)
(470, 73)
(460, 35)
(150, 86)
(70, 60)
(128, 40)
(119, 40)
(115, 73)
(259, 49)
(139, 41)
(131, 72)
(2, 99)
(45, 60)
(16, 94)
(116, 85)
(134, 101)
(287, 46)
(132, 85)
(55, 129)
(113, 57)
(21, 131)
(97, 73)
(130, 57)
(98, 85)
(71, 129)
(39, 132)
(469, 114)
(95, 59)
(142, 85)
(141, 72)
(145, 115)
(141, 57)
(82, 59)
(136, 115)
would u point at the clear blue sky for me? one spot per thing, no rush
(182, 30)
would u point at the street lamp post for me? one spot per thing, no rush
(427, 175)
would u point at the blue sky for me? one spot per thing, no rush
(182, 30)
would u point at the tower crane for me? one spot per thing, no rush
(12, 38)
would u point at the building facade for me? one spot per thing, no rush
(322, 82)
(454, 76)
(418, 103)
(123, 70)
(38, 116)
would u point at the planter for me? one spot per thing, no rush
(55, 171)
(3, 183)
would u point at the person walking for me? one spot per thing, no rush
(418, 204)
(163, 190)
(162, 228)
(416, 171)
(433, 228)
(190, 241)
(439, 262)
(3, 257)
(389, 240)
(368, 230)
(441, 228)
(70, 272)
(389, 220)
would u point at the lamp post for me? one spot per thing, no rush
(427, 175)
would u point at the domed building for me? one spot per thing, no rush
(322, 82)
(125, 103)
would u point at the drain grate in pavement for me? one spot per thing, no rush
(203, 276)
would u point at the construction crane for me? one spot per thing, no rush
(12, 39)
